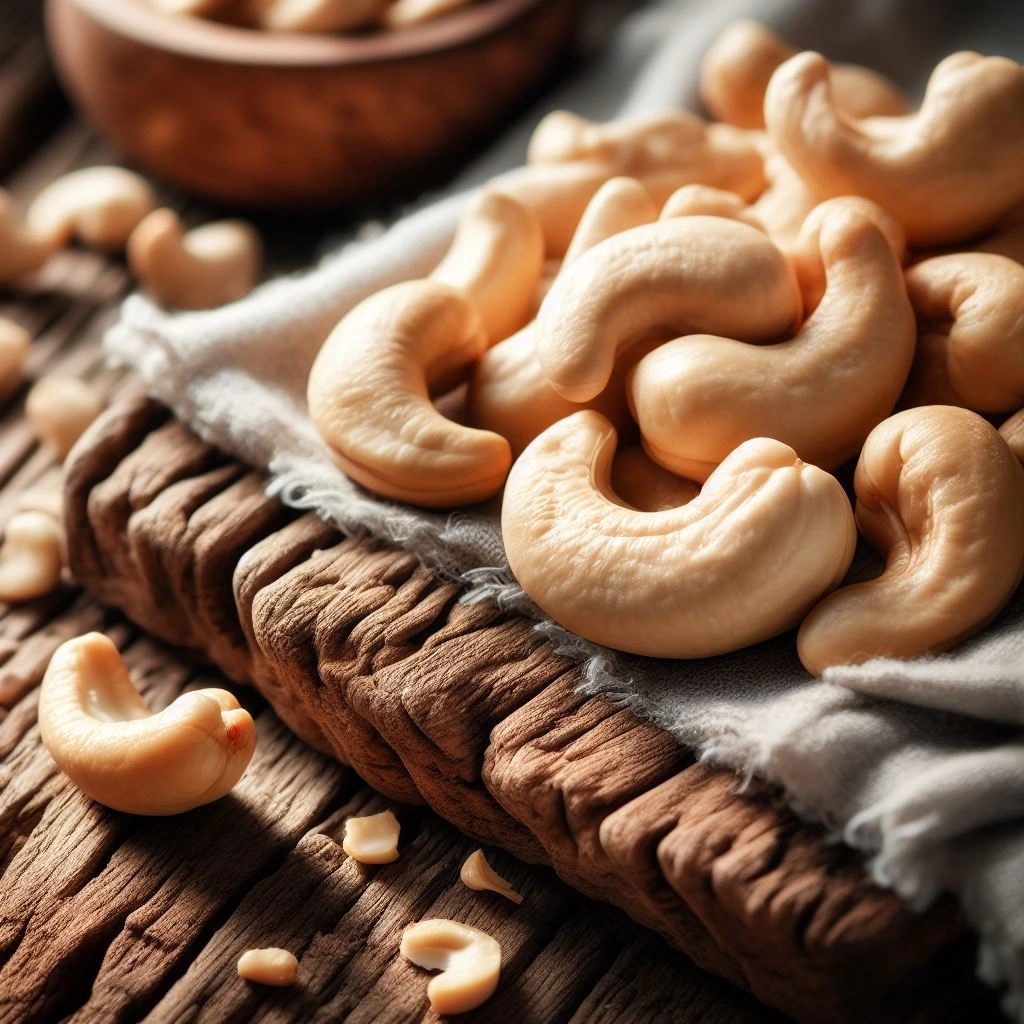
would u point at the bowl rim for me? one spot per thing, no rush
(203, 39)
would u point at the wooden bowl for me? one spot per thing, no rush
(272, 120)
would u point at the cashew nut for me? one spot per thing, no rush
(30, 558)
(640, 483)
(270, 966)
(736, 69)
(739, 563)
(206, 267)
(705, 201)
(971, 338)
(59, 409)
(412, 12)
(103, 737)
(948, 172)
(940, 494)
(477, 874)
(369, 396)
(821, 392)
(676, 276)
(14, 345)
(372, 838)
(1012, 432)
(318, 15)
(496, 259)
(618, 205)
(22, 249)
(469, 961)
(99, 206)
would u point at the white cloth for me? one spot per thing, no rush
(920, 765)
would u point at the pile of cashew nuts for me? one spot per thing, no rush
(671, 333)
(315, 16)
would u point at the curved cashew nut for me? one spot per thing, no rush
(736, 69)
(1012, 432)
(741, 562)
(318, 15)
(821, 392)
(22, 248)
(496, 259)
(469, 961)
(104, 738)
(14, 345)
(59, 410)
(619, 204)
(676, 276)
(209, 266)
(705, 201)
(100, 206)
(369, 391)
(940, 494)
(30, 559)
(640, 483)
(971, 340)
(948, 172)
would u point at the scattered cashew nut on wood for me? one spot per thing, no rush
(22, 248)
(477, 874)
(372, 838)
(60, 409)
(31, 556)
(14, 345)
(270, 966)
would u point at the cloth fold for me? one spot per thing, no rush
(918, 764)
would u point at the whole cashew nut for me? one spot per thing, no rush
(206, 267)
(369, 396)
(22, 249)
(971, 337)
(736, 69)
(104, 738)
(469, 961)
(100, 206)
(739, 563)
(674, 277)
(619, 204)
(948, 172)
(30, 559)
(940, 494)
(496, 259)
(318, 15)
(821, 392)
(14, 345)
(1012, 432)
(60, 409)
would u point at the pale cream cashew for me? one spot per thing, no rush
(22, 248)
(618, 205)
(640, 483)
(59, 410)
(705, 201)
(970, 348)
(821, 392)
(372, 838)
(737, 67)
(674, 277)
(412, 12)
(1012, 431)
(206, 267)
(477, 874)
(766, 537)
(496, 259)
(100, 206)
(104, 738)
(14, 345)
(30, 558)
(369, 396)
(318, 15)
(469, 961)
(948, 172)
(941, 495)
(271, 966)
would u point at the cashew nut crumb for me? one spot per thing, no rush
(477, 874)
(271, 966)
(372, 839)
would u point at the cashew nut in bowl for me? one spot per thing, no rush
(674, 277)
(99, 206)
(619, 204)
(22, 249)
(369, 396)
(469, 961)
(1012, 432)
(496, 259)
(640, 483)
(971, 335)
(412, 12)
(104, 738)
(30, 558)
(206, 267)
(941, 495)
(948, 172)
(318, 15)
(737, 67)
(821, 392)
(744, 560)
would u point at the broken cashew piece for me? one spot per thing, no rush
(948, 172)
(941, 495)
(372, 838)
(203, 268)
(971, 337)
(737, 67)
(496, 259)
(22, 249)
(677, 276)
(60, 409)
(744, 560)
(271, 966)
(821, 392)
(104, 738)
(318, 15)
(30, 558)
(477, 874)
(469, 961)
(1012, 431)
(99, 206)
(14, 345)
(369, 396)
